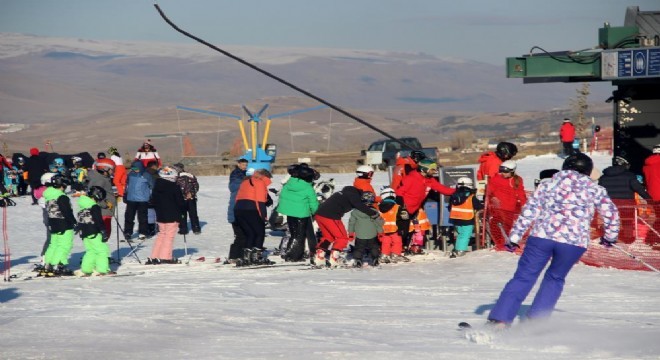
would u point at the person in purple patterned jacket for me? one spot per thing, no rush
(559, 214)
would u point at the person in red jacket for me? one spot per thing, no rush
(567, 136)
(489, 163)
(404, 165)
(651, 172)
(506, 196)
(416, 186)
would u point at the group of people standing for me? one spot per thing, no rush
(168, 191)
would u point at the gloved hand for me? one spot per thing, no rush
(607, 243)
(104, 237)
(511, 246)
(351, 237)
(108, 205)
(376, 215)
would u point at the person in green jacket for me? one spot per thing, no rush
(92, 231)
(298, 202)
(365, 230)
(61, 223)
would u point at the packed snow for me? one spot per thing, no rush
(206, 310)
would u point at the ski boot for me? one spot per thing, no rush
(398, 258)
(357, 263)
(47, 271)
(62, 270)
(319, 258)
(246, 260)
(384, 259)
(335, 260)
(258, 257)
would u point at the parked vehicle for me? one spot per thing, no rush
(383, 153)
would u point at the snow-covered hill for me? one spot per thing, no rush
(403, 311)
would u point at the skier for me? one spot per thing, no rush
(250, 214)
(61, 222)
(146, 153)
(101, 176)
(235, 178)
(412, 194)
(189, 187)
(333, 232)
(38, 194)
(365, 229)
(169, 206)
(363, 181)
(462, 206)
(404, 165)
(559, 214)
(489, 163)
(298, 201)
(395, 218)
(78, 176)
(506, 196)
(567, 136)
(35, 167)
(92, 232)
(622, 185)
(119, 177)
(138, 192)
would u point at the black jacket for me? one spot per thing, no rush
(621, 183)
(67, 221)
(168, 201)
(35, 166)
(342, 202)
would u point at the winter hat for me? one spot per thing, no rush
(34, 151)
(168, 173)
(178, 167)
(100, 155)
(567, 120)
(656, 149)
(621, 161)
(104, 165)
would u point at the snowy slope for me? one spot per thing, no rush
(206, 311)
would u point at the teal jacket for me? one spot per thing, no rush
(364, 226)
(298, 199)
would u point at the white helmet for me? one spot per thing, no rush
(45, 178)
(364, 172)
(387, 193)
(76, 160)
(465, 181)
(508, 166)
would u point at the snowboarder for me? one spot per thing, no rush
(559, 213)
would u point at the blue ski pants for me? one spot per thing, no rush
(464, 233)
(538, 252)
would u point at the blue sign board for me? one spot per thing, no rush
(630, 63)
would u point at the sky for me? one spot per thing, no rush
(482, 30)
(398, 311)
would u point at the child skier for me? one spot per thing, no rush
(395, 218)
(333, 232)
(92, 232)
(61, 222)
(462, 205)
(365, 229)
(169, 204)
(78, 176)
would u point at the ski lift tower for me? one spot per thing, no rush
(260, 155)
(629, 57)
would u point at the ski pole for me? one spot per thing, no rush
(117, 230)
(635, 258)
(5, 238)
(128, 242)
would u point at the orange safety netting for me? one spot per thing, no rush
(639, 235)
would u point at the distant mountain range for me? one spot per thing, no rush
(72, 89)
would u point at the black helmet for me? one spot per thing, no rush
(368, 198)
(58, 181)
(417, 156)
(97, 193)
(293, 170)
(306, 174)
(579, 162)
(506, 150)
(620, 161)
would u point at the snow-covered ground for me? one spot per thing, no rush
(403, 311)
